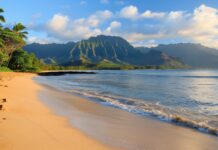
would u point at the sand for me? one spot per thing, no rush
(41, 118)
(27, 124)
(123, 129)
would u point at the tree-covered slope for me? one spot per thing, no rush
(112, 48)
(51, 53)
(99, 51)
(194, 55)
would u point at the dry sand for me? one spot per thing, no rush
(30, 125)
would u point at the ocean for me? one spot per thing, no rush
(186, 98)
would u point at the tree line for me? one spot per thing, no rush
(12, 56)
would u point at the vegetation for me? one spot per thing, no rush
(12, 57)
(22, 61)
(5, 69)
(101, 52)
(104, 67)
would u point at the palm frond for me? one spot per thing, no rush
(2, 43)
(1, 10)
(2, 19)
(19, 27)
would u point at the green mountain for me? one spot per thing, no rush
(101, 51)
(51, 53)
(159, 58)
(195, 55)
(114, 49)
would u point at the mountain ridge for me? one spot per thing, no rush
(50, 53)
(96, 50)
(195, 55)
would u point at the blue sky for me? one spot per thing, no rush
(141, 22)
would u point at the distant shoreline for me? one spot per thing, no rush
(63, 72)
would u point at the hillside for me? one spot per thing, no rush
(51, 53)
(95, 51)
(194, 55)
(111, 48)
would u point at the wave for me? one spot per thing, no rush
(156, 110)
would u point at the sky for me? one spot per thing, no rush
(141, 22)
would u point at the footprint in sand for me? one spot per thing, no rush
(2, 108)
(4, 100)
(4, 85)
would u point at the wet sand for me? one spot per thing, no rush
(27, 124)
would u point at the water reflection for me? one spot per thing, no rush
(189, 94)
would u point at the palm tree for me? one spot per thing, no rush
(18, 28)
(2, 19)
(14, 39)
(11, 39)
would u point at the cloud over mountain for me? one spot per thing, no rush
(199, 25)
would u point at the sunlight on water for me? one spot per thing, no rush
(186, 97)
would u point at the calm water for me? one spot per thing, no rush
(184, 97)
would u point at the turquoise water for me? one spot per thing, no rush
(184, 97)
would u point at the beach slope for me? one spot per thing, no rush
(25, 123)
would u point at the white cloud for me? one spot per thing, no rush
(62, 28)
(176, 14)
(34, 39)
(129, 12)
(200, 26)
(140, 37)
(149, 44)
(149, 14)
(58, 22)
(75, 30)
(98, 17)
(113, 26)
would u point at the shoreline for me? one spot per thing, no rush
(39, 117)
(26, 123)
(123, 129)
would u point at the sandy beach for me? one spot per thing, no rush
(27, 124)
(37, 117)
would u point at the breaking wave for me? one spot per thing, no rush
(158, 111)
